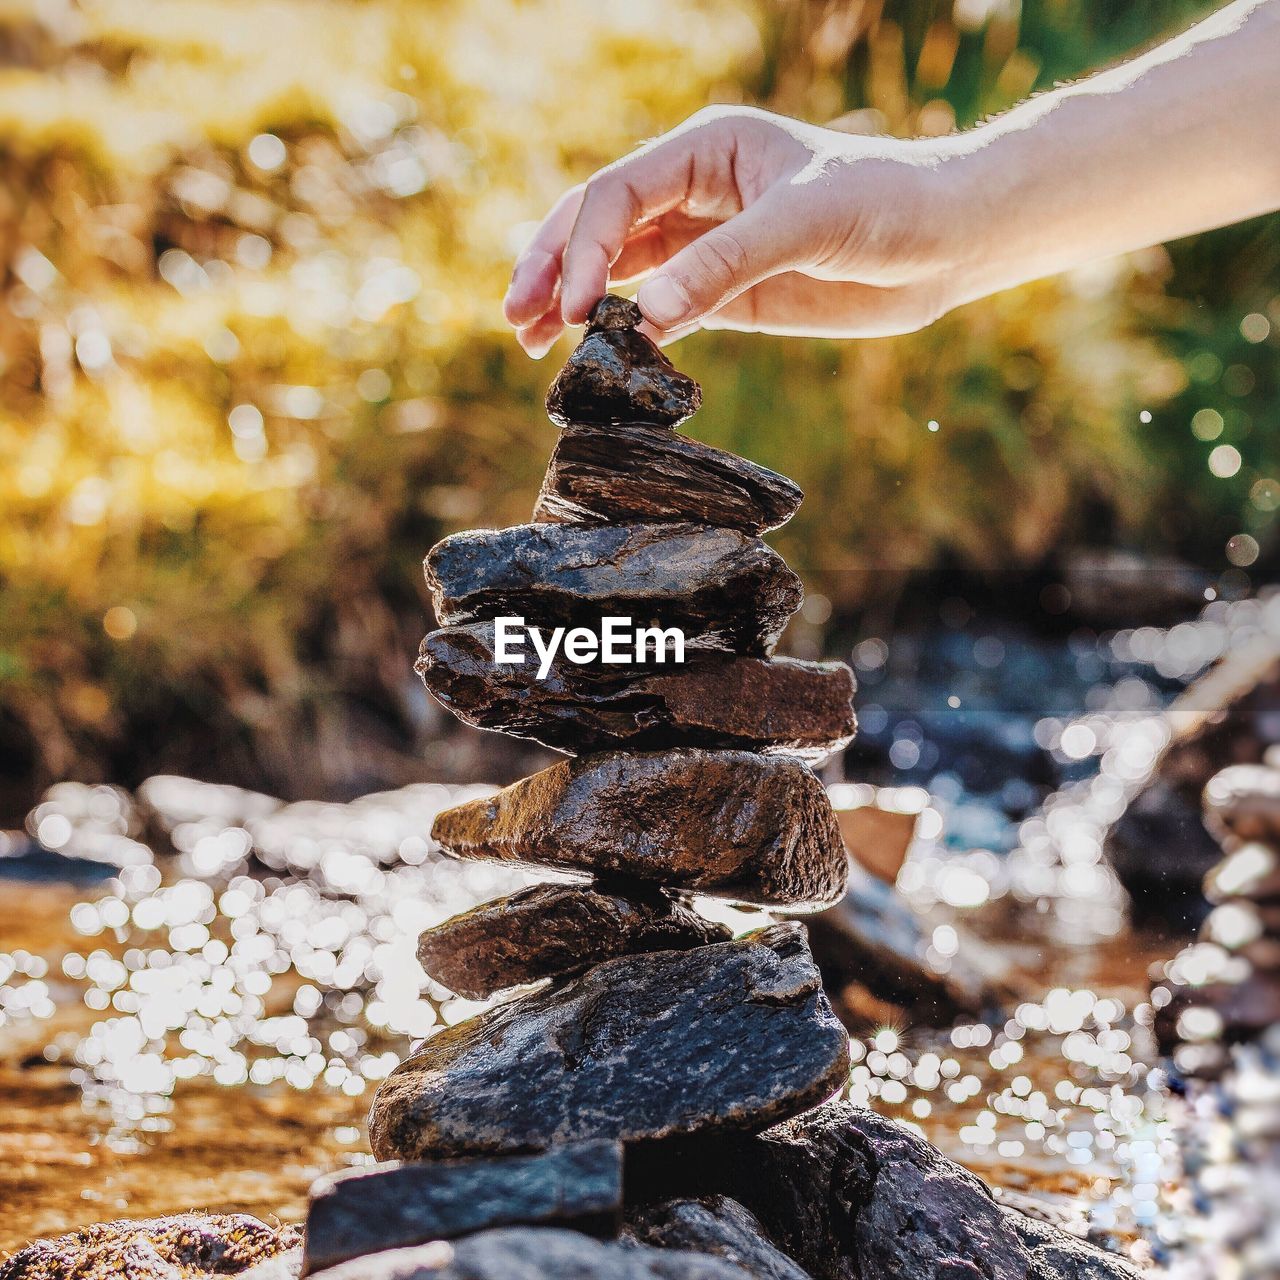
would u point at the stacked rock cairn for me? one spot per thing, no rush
(688, 778)
(1225, 987)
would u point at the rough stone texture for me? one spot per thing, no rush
(732, 1036)
(186, 1245)
(851, 1195)
(1159, 846)
(577, 1185)
(776, 705)
(556, 931)
(602, 475)
(723, 588)
(871, 945)
(617, 375)
(715, 1225)
(755, 828)
(1243, 802)
(531, 1253)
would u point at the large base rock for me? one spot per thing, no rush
(530, 1253)
(556, 931)
(775, 705)
(724, 589)
(728, 823)
(731, 1036)
(577, 1185)
(603, 476)
(850, 1195)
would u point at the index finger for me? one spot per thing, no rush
(536, 275)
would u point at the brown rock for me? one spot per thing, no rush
(599, 475)
(1244, 801)
(730, 823)
(725, 589)
(556, 931)
(617, 375)
(776, 705)
(729, 1037)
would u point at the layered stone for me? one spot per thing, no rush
(734, 1036)
(600, 475)
(725, 589)
(393, 1206)
(556, 931)
(772, 705)
(732, 824)
(534, 1253)
(616, 374)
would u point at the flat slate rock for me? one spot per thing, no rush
(725, 589)
(734, 1036)
(533, 1253)
(610, 475)
(736, 825)
(391, 1206)
(850, 1194)
(617, 375)
(556, 931)
(715, 1225)
(184, 1244)
(775, 705)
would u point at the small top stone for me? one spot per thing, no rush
(617, 376)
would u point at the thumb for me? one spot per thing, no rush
(716, 267)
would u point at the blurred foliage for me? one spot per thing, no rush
(252, 362)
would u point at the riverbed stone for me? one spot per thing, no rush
(183, 1244)
(715, 1225)
(391, 1206)
(773, 705)
(617, 374)
(603, 475)
(725, 589)
(734, 1036)
(556, 931)
(850, 1194)
(732, 824)
(533, 1253)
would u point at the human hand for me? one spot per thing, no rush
(741, 219)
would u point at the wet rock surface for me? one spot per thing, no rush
(185, 1245)
(776, 705)
(556, 931)
(728, 1037)
(616, 374)
(728, 823)
(530, 1253)
(850, 1195)
(724, 588)
(646, 474)
(714, 1225)
(578, 1186)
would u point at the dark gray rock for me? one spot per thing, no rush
(755, 828)
(776, 705)
(577, 1185)
(556, 931)
(723, 588)
(617, 375)
(1055, 1255)
(715, 1225)
(532, 1253)
(727, 1037)
(851, 1195)
(603, 475)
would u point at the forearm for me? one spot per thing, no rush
(1180, 140)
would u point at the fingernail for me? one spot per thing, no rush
(664, 301)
